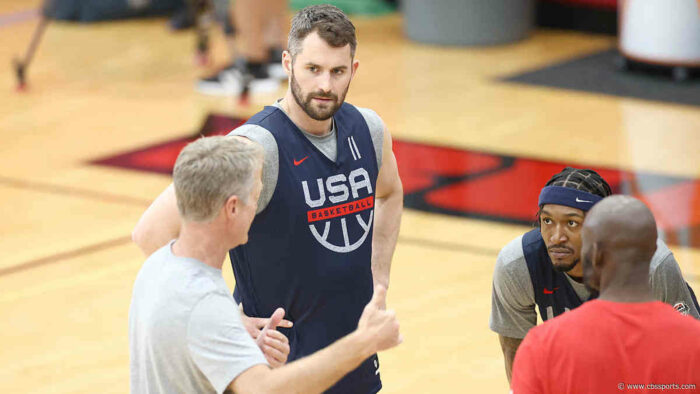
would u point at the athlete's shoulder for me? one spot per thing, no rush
(269, 112)
(673, 320)
(376, 127)
(248, 128)
(510, 263)
(270, 171)
(372, 118)
(259, 134)
(660, 256)
(512, 253)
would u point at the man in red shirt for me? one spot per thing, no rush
(624, 340)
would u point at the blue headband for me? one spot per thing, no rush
(568, 197)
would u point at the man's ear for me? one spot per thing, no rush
(287, 62)
(232, 206)
(597, 257)
(355, 65)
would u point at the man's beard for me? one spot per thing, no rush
(558, 267)
(565, 268)
(306, 103)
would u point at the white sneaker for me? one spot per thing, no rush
(228, 82)
(267, 85)
(231, 81)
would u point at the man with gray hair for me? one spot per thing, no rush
(185, 331)
(329, 213)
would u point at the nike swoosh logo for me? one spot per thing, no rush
(296, 163)
(545, 291)
(577, 200)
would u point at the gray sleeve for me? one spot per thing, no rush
(513, 298)
(667, 281)
(376, 130)
(219, 344)
(271, 168)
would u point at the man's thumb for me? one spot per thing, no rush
(275, 319)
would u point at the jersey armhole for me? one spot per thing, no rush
(277, 148)
(378, 153)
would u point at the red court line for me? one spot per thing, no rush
(65, 255)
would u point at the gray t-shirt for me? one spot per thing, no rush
(326, 143)
(185, 331)
(513, 309)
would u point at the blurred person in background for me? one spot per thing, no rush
(261, 32)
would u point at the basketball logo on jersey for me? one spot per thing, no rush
(682, 308)
(338, 189)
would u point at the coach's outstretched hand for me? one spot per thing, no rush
(274, 344)
(379, 324)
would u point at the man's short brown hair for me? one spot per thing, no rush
(331, 24)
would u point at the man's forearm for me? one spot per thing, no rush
(149, 241)
(377, 329)
(311, 374)
(510, 347)
(159, 224)
(387, 221)
(321, 370)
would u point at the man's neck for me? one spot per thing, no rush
(577, 279)
(300, 118)
(196, 242)
(627, 295)
(576, 273)
(632, 286)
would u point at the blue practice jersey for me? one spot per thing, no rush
(554, 294)
(309, 251)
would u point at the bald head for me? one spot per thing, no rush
(622, 222)
(619, 239)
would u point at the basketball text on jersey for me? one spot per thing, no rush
(338, 190)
